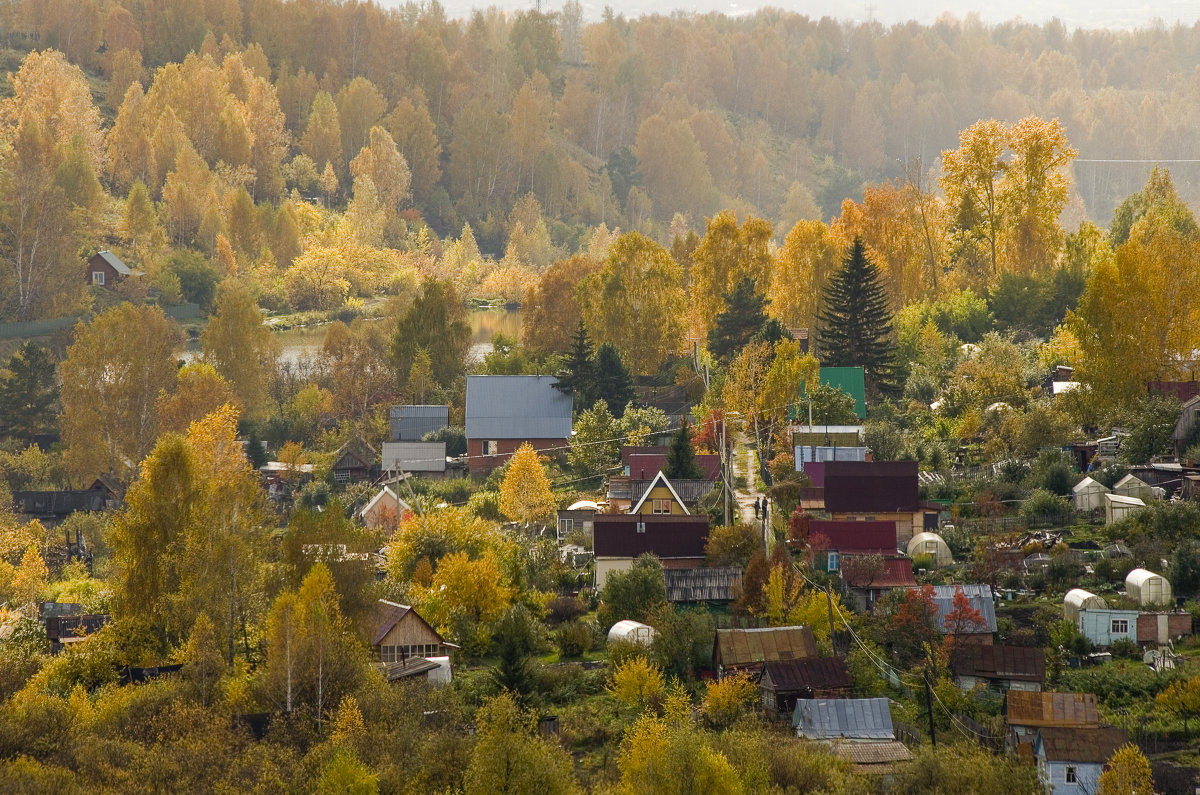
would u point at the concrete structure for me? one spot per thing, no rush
(932, 544)
(1117, 507)
(1078, 599)
(1088, 495)
(1163, 628)
(1147, 588)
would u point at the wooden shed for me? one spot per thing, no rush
(399, 632)
(748, 649)
(784, 681)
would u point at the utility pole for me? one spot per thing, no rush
(829, 603)
(725, 467)
(929, 706)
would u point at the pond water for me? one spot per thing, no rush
(305, 342)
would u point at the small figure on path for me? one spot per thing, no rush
(756, 507)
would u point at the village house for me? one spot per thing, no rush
(504, 412)
(105, 269)
(1103, 626)
(399, 632)
(677, 540)
(411, 423)
(1028, 712)
(998, 668)
(782, 682)
(747, 649)
(878, 491)
(385, 511)
(354, 462)
(578, 516)
(982, 602)
(858, 730)
(52, 507)
(1070, 759)
(868, 578)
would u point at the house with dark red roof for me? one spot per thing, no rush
(869, 577)
(878, 491)
(677, 540)
(782, 682)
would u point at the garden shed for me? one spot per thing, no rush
(933, 545)
(1147, 588)
(631, 632)
(1078, 599)
(1117, 507)
(1088, 495)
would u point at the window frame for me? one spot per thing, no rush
(1118, 626)
(1071, 774)
(98, 278)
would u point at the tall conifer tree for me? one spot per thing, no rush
(854, 326)
(681, 456)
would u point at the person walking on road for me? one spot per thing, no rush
(757, 507)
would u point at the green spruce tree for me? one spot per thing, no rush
(681, 456)
(576, 377)
(743, 317)
(854, 326)
(611, 380)
(28, 392)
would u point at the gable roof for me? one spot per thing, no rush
(386, 491)
(643, 464)
(1051, 709)
(896, 573)
(738, 647)
(660, 478)
(114, 262)
(1088, 485)
(980, 597)
(616, 535)
(814, 673)
(354, 452)
(1093, 745)
(516, 407)
(848, 718)
(703, 585)
(850, 537)
(871, 486)
(410, 423)
(985, 661)
(389, 614)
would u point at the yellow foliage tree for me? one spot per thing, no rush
(30, 578)
(525, 494)
(811, 253)
(466, 592)
(637, 682)
(1126, 773)
(726, 254)
(726, 700)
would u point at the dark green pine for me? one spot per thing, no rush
(854, 326)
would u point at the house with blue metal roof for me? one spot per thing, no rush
(504, 412)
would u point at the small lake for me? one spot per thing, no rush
(304, 342)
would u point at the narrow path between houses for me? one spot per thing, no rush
(745, 465)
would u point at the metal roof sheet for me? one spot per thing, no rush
(846, 718)
(740, 647)
(871, 486)
(516, 407)
(616, 535)
(1051, 709)
(414, 456)
(815, 673)
(115, 262)
(1023, 663)
(850, 537)
(411, 423)
(1091, 745)
(980, 597)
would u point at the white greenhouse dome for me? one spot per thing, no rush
(1147, 588)
(584, 505)
(1078, 599)
(631, 632)
(930, 544)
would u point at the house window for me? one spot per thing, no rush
(98, 278)
(641, 527)
(1120, 626)
(1072, 775)
(491, 448)
(833, 561)
(341, 476)
(661, 506)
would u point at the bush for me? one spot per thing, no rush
(574, 639)
(562, 609)
(1044, 506)
(1124, 648)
